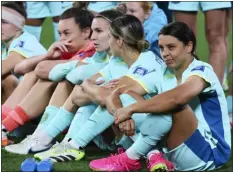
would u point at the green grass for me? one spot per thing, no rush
(11, 162)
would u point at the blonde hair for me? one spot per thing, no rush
(130, 30)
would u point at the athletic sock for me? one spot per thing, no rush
(74, 145)
(55, 31)
(5, 111)
(34, 30)
(61, 121)
(132, 154)
(16, 118)
(48, 116)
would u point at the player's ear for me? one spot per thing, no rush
(120, 42)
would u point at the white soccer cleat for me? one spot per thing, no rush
(30, 144)
(61, 152)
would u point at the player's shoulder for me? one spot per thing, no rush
(198, 65)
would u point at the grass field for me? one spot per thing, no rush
(11, 162)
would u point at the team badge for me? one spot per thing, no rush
(201, 68)
(140, 71)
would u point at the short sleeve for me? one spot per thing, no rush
(150, 82)
(206, 73)
(27, 47)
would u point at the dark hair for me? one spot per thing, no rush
(17, 6)
(80, 4)
(110, 15)
(130, 29)
(82, 17)
(182, 32)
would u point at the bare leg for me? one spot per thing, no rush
(8, 86)
(61, 93)
(21, 90)
(184, 123)
(38, 98)
(189, 18)
(216, 40)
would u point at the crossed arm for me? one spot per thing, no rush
(168, 101)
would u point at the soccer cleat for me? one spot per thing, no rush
(61, 152)
(117, 162)
(157, 163)
(30, 144)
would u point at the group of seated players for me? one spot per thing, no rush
(121, 80)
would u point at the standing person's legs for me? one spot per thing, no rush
(185, 12)
(36, 13)
(190, 18)
(214, 28)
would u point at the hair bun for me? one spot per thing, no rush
(143, 45)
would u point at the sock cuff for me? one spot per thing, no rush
(22, 114)
(51, 108)
(5, 111)
(10, 124)
(68, 114)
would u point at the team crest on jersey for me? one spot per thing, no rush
(20, 44)
(201, 68)
(140, 71)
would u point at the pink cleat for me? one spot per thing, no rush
(117, 162)
(158, 163)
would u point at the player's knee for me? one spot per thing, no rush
(10, 82)
(40, 69)
(75, 95)
(214, 37)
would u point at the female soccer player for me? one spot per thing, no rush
(32, 96)
(200, 137)
(133, 65)
(17, 45)
(59, 119)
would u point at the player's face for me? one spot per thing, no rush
(71, 32)
(100, 30)
(135, 9)
(8, 31)
(173, 51)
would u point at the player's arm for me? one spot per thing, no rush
(29, 64)
(168, 101)
(126, 84)
(81, 97)
(9, 63)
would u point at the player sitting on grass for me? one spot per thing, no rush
(200, 137)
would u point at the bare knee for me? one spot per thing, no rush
(76, 95)
(41, 70)
(215, 39)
